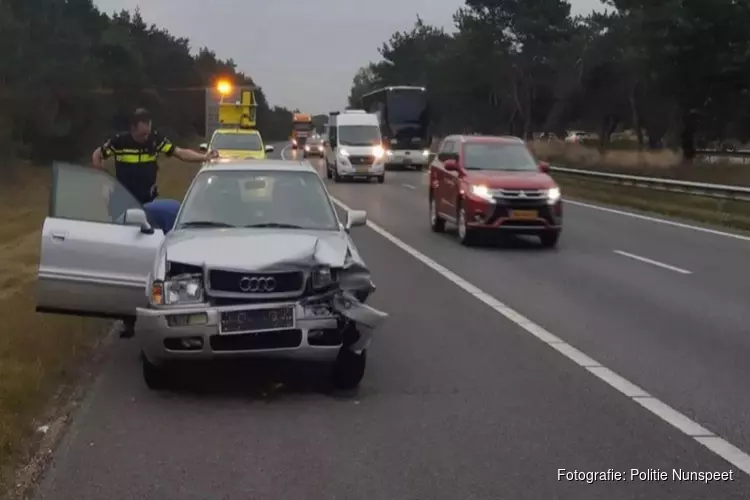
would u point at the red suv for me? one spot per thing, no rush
(482, 183)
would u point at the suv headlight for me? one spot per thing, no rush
(482, 192)
(185, 289)
(321, 277)
(554, 195)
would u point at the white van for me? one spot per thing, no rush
(354, 148)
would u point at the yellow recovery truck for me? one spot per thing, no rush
(231, 123)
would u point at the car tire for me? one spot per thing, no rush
(466, 235)
(329, 174)
(437, 223)
(156, 377)
(336, 177)
(381, 179)
(549, 239)
(348, 369)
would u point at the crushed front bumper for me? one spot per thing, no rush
(320, 329)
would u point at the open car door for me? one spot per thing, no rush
(97, 247)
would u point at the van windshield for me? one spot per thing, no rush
(359, 135)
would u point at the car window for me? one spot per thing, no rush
(88, 194)
(244, 142)
(240, 198)
(498, 156)
(359, 135)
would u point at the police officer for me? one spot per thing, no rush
(135, 153)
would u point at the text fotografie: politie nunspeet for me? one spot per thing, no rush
(656, 475)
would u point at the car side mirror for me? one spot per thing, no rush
(137, 217)
(355, 218)
(451, 165)
(269, 149)
(544, 167)
(203, 147)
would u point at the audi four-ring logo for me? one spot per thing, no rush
(262, 284)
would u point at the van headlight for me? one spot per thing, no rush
(378, 151)
(321, 277)
(185, 289)
(554, 195)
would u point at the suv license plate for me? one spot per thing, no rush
(524, 214)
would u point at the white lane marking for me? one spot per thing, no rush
(709, 440)
(408, 186)
(652, 262)
(660, 221)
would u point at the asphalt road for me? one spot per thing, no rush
(459, 402)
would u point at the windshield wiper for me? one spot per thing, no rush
(205, 223)
(275, 224)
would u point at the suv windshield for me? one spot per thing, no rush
(359, 135)
(243, 142)
(267, 198)
(498, 156)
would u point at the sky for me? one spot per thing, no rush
(303, 53)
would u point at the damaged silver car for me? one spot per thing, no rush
(256, 265)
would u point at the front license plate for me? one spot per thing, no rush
(257, 320)
(363, 170)
(524, 214)
(407, 161)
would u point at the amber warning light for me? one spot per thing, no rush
(224, 87)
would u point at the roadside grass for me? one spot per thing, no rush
(41, 356)
(662, 164)
(730, 214)
(665, 163)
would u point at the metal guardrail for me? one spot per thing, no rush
(717, 191)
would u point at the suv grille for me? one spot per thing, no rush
(520, 194)
(236, 282)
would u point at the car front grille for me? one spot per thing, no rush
(362, 160)
(251, 283)
(520, 194)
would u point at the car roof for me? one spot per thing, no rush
(508, 139)
(225, 165)
(250, 131)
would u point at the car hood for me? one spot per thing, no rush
(510, 180)
(257, 249)
(239, 154)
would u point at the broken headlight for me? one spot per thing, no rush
(322, 277)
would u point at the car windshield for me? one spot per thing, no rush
(267, 198)
(242, 142)
(498, 156)
(359, 135)
(314, 141)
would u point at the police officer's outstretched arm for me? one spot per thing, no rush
(166, 147)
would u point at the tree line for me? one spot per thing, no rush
(70, 74)
(675, 72)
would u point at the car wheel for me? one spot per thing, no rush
(549, 239)
(329, 174)
(437, 223)
(348, 369)
(381, 179)
(156, 377)
(466, 235)
(336, 176)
